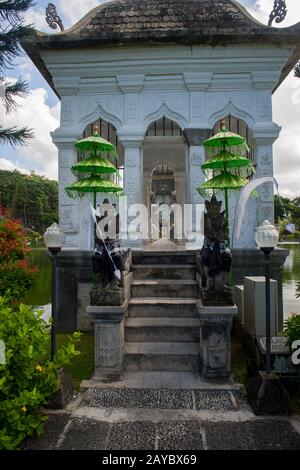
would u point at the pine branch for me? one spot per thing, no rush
(10, 46)
(13, 90)
(12, 10)
(14, 136)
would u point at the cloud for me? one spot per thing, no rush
(10, 166)
(73, 15)
(40, 154)
(36, 17)
(286, 112)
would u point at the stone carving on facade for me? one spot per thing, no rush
(264, 106)
(266, 159)
(215, 257)
(240, 105)
(107, 107)
(67, 110)
(108, 353)
(67, 216)
(266, 192)
(174, 106)
(266, 213)
(131, 160)
(131, 104)
(197, 105)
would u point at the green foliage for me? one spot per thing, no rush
(12, 32)
(292, 328)
(31, 198)
(287, 211)
(29, 377)
(16, 278)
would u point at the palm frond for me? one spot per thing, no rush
(10, 44)
(13, 10)
(13, 90)
(14, 136)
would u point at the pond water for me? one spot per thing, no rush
(40, 294)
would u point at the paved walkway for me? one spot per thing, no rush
(189, 416)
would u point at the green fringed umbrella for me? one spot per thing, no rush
(226, 159)
(94, 165)
(229, 165)
(96, 145)
(94, 149)
(93, 184)
(225, 181)
(225, 138)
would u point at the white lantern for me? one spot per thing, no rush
(266, 235)
(54, 236)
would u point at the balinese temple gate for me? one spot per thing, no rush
(158, 78)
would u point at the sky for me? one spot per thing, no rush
(40, 110)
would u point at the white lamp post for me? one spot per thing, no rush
(54, 238)
(267, 238)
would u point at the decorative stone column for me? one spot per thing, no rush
(215, 340)
(68, 208)
(196, 157)
(133, 172)
(265, 134)
(109, 341)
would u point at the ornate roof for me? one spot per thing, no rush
(170, 21)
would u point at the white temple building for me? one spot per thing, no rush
(158, 77)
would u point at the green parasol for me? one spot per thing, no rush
(225, 181)
(94, 165)
(93, 184)
(224, 160)
(96, 145)
(94, 149)
(225, 138)
(228, 161)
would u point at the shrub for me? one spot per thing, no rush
(16, 278)
(29, 377)
(292, 328)
(13, 241)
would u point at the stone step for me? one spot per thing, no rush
(164, 271)
(162, 329)
(163, 307)
(164, 257)
(164, 288)
(161, 356)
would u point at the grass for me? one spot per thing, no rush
(82, 366)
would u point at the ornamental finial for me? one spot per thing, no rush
(278, 13)
(52, 17)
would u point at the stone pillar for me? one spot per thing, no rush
(68, 207)
(109, 341)
(265, 135)
(215, 340)
(195, 175)
(133, 173)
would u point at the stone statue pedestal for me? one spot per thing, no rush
(109, 341)
(215, 340)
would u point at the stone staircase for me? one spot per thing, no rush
(162, 328)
